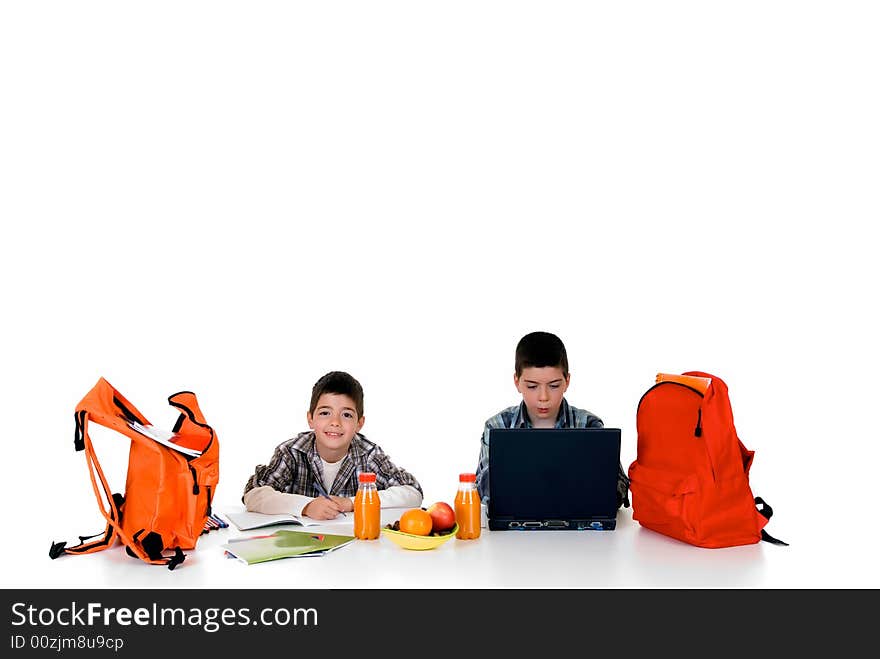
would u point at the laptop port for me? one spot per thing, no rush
(513, 525)
(596, 525)
(556, 524)
(532, 525)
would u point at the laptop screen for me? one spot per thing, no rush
(553, 474)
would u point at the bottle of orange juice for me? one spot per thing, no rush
(367, 517)
(467, 507)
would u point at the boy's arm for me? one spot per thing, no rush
(622, 487)
(270, 489)
(483, 466)
(622, 480)
(389, 475)
(400, 496)
(273, 487)
(265, 499)
(279, 474)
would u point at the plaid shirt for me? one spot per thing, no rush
(517, 417)
(296, 465)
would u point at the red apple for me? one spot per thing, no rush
(442, 516)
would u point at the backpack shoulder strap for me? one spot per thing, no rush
(81, 442)
(112, 514)
(767, 512)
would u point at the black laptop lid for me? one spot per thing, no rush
(539, 474)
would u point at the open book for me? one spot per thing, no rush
(284, 544)
(190, 445)
(247, 520)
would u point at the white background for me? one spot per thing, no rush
(235, 198)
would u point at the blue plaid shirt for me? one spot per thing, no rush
(518, 417)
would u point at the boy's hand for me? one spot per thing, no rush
(346, 505)
(322, 508)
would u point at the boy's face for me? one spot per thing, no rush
(542, 390)
(335, 423)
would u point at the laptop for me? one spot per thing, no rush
(553, 478)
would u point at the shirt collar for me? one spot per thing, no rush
(563, 418)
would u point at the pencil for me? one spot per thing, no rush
(324, 493)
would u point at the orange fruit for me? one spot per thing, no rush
(416, 521)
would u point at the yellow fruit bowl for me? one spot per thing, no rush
(410, 541)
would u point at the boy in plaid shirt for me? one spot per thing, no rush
(315, 473)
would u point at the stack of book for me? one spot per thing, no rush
(284, 544)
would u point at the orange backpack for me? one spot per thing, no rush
(170, 482)
(690, 479)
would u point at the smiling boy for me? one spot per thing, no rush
(542, 378)
(315, 473)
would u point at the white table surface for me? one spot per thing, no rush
(628, 557)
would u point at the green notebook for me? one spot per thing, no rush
(284, 544)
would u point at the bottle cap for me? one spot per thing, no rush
(367, 477)
(467, 478)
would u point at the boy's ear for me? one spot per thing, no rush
(310, 420)
(516, 380)
(567, 380)
(360, 424)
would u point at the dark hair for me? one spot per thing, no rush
(540, 349)
(338, 382)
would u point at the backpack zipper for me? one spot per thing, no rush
(195, 480)
(665, 382)
(698, 432)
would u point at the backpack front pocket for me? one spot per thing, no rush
(664, 501)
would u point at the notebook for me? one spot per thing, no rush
(553, 478)
(284, 544)
(246, 520)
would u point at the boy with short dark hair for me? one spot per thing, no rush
(315, 473)
(541, 376)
